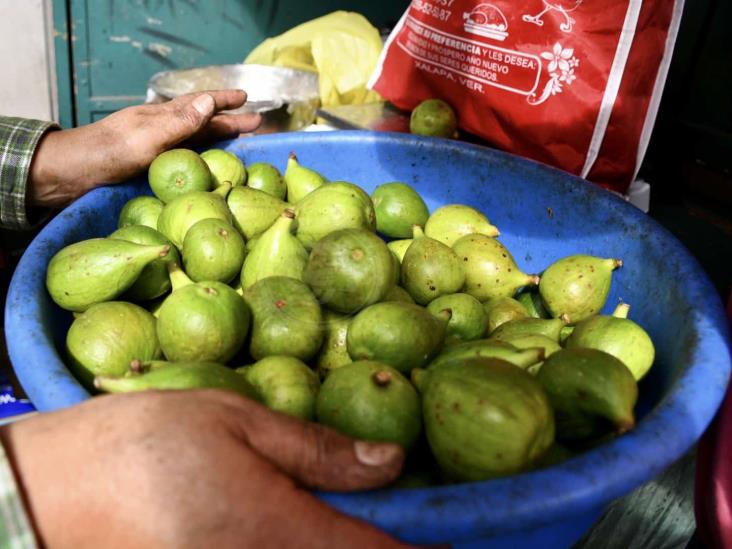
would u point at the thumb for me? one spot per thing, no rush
(191, 113)
(318, 456)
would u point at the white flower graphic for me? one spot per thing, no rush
(562, 63)
(558, 58)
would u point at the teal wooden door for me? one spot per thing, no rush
(114, 46)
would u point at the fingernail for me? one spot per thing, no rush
(375, 455)
(204, 104)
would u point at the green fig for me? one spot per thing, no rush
(177, 172)
(370, 401)
(555, 455)
(398, 207)
(433, 118)
(300, 181)
(523, 358)
(399, 247)
(590, 391)
(468, 320)
(277, 253)
(619, 336)
(213, 250)
(485, 418)
(285, 385)
(350, 269)
(153, 280)
(286, 319)
(533, 341)
(225, 167)
(531, 300)
(143, 367)
(96, 270)
(430, 269)
(332, 207)
(181, 213)
(500, 310)
(107, 337)
(397, 293)
(206, 321)
(178, 279)
(449, 223)
(490, 270)
(402, 335)
(334, 351)
(577, 286)
(175, 376)
(141, 210)
(266, 178)
(550, 328)
(254, 211)
(397, 269)
(252, 242)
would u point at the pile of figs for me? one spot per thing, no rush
(366, 313)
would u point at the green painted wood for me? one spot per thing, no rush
(62, 54)
(79, 57)
(119, 44)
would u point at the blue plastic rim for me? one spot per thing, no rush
(543, 214)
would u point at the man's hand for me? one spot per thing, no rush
(191, 469)
(69, 163)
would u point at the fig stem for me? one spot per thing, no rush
(289, 213)
(625, 425)
(564, 317)
(223, 189)
(292, 156)
(136, 366)
(382, 378)
(165, 250)
(533, 280)
(622, 310)
(445, 314)
(617, 263)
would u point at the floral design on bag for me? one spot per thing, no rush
(562, 63)
(564, 7)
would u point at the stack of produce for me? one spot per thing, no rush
(283, 288)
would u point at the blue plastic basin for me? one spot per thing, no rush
(543, 214)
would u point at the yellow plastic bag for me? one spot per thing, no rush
(342, 47)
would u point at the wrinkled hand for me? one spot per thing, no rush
(191, 469)
(69, 163)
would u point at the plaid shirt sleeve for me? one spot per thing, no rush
(15, 528)
(18, 140)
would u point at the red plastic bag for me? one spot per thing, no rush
(572, 83)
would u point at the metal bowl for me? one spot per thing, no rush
(286, 98)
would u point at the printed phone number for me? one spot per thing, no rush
(436, 11)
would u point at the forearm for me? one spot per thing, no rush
(68, 164)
